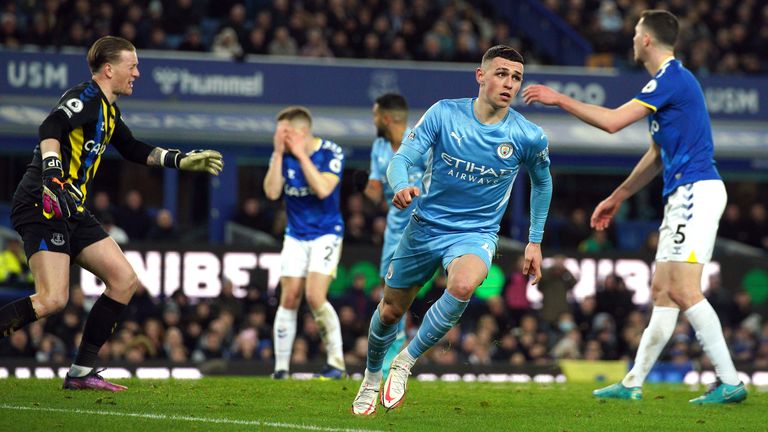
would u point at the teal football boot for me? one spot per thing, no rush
(721, 393)
(618, 391)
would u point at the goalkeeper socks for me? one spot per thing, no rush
(101, 323)
(16, 315)
(330, 332)
(440, 318)
(380, 337)
(652, 343)
(705, 322)
(284, 333)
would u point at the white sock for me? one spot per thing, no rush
(704, 320)
(79, 371)
(284, 333)
(373, 378)
(330, 331)
(406, 357)
(655, 338)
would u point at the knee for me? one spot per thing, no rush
(315, 300)
(461, 289)
(129, 285)
(52, 303)
(390, 313)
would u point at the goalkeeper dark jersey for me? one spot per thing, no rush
(86, 123)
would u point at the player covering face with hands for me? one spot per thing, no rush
(48, 209)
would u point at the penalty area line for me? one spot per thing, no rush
(193, 419)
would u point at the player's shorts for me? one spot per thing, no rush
(391, 240)
(56, 235)
(423, 248)
(691, 217)
(319, 255)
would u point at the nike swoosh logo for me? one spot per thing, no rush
(728, 394)
(386, 394)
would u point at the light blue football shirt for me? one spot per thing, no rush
(308, 216)
(381, 155)
(472, 167)
(679, 125)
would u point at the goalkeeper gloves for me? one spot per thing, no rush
(60, 198)
(196, 160)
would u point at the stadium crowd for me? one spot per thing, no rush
(505, 329)
(724, 37)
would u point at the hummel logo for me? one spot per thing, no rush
(456, 136)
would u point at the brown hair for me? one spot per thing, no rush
(295, 112)
(662, 24)
(504, 52)
(107, 50)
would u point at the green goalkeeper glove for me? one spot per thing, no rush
(196, 160)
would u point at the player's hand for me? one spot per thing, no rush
(294, 143)
(532, 265)
(60, 198)
(541, 94)
(405, 197)
(604, 212)
(278, 140)
(202, 160)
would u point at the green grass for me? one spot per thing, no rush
(261, 404)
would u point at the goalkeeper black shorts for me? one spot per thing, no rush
(55, 235)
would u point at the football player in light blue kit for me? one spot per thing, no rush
(390, 116)
(307, 170)
(694, 195)
(475, 148)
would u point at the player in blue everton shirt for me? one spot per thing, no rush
(390, 116)
(694, 195)
(307, 170)
(475, 148)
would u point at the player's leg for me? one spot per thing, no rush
(47, 247)
(324, 255)
(106, 261)
(467, 260)
(294, 261)
(391, 240)
(655, 337)
(51, 271)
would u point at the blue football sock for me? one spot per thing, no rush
(394, 349)
(440, 318)
(380, 337)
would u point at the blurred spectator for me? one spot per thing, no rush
(193, 41)
(252, 215)
(133, 217)
(615, 299)
(516, 292)
(598, 241)
(164, 228)
(555, 284)
(179, 16)
(576, 230)
(732, 225)
(757, 226)
(283, 44)
(14, 270)
(118, 234)
(226, 44)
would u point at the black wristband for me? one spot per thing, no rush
(171, 158)
(52, 167)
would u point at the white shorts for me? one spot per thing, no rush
(691, 217)
(320, 255)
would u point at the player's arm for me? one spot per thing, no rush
(541, 197)
(142, 153)
(607, 119)
(321, 183)
(274, 181)
(397, 175)
(60, 197)
(646, 169)
(374, 191)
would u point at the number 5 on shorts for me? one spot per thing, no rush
(680, 233)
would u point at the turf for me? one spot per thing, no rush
(255, 404)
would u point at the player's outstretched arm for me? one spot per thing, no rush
(646, 169)
(209, 161)
(374, 191)
(607, 119)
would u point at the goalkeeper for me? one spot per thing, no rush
(48, 208)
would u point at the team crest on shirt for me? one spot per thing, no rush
(651, 86)
(390, 271)
(504, 150)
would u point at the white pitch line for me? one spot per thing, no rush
(188, 418)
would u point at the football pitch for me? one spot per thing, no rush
(262, 404)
